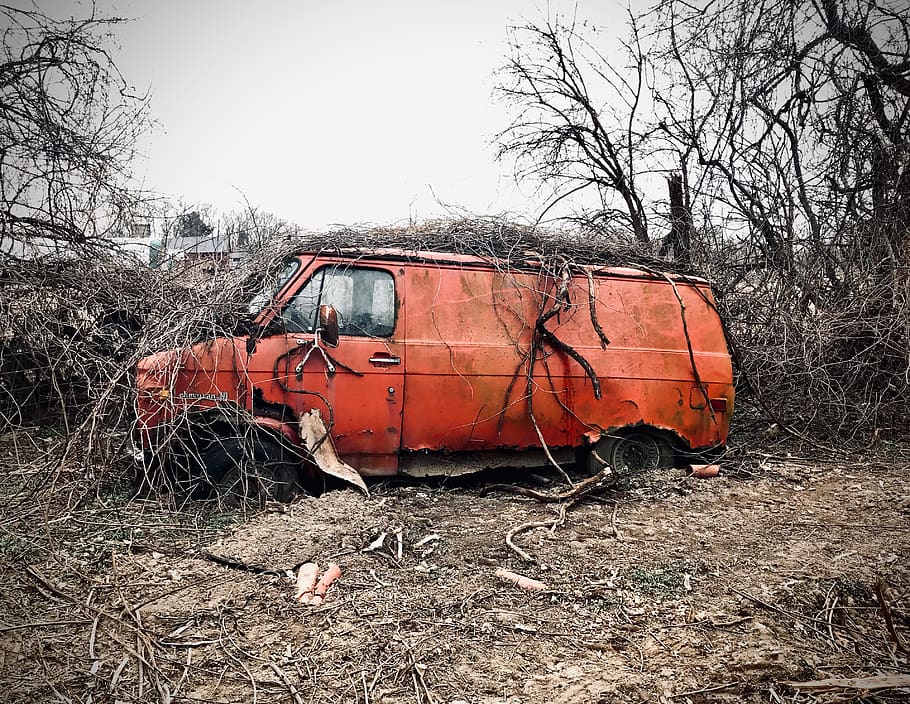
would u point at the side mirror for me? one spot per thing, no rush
(328, 324)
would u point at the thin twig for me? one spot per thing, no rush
(881, 594)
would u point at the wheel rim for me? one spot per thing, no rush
(636, 452)
(238, 487)
(186, 472)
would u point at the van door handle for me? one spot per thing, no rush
(384, 358)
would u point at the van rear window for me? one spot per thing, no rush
(364, 299)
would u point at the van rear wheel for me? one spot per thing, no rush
(630, 452)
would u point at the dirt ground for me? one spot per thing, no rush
(673, 590)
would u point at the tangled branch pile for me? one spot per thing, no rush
(71, 330)
(831, 360)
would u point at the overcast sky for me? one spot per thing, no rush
(331, 111)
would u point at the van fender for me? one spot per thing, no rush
(273, 425)
(310, 439)
(670, 435)
(313, 440)
(600, 455)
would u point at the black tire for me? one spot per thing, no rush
(630, 452)
(251, 471)
(185, 468)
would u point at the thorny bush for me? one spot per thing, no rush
(832, 362)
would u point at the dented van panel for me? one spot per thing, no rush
(465, 348)
(446, 353)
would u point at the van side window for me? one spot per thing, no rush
(364, 299)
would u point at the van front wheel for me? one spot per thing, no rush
(252, 470)
(630, 452)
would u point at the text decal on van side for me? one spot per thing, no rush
(207, 397)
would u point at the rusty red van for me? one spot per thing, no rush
(428, 362)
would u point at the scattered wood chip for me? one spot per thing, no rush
(704, 471)
(521, 581)
(306, 581)
(426, 539)
(377, 543)
(331, 574)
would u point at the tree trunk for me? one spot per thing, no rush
(678, 242)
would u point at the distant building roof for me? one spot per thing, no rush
(211, 244)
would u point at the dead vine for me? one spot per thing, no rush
(566, 500)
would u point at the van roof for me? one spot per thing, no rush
(454, 258)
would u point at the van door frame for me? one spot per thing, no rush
(362, 400)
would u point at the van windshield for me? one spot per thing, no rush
(271, 285)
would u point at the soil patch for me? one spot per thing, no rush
(681, 590)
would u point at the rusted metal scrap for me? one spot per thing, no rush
(316, 439)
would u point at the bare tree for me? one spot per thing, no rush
(797, 113)
(788, 122)
(68, 123)
(252, 227)
(569, 134)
